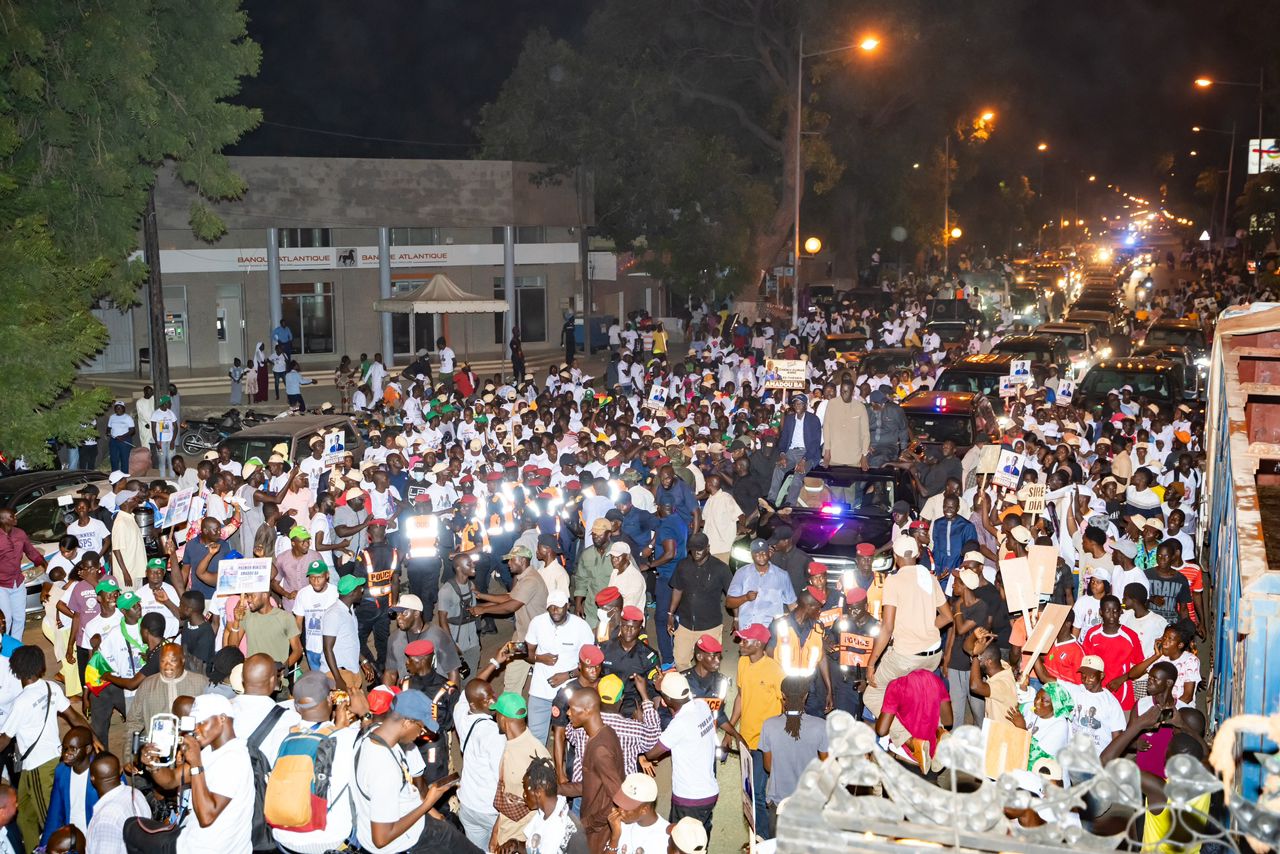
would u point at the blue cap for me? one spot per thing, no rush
(414, 705)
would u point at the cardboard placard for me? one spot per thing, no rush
(1021, 369)
(1019, 588)
(1008, 469)
(1066, 392)
(855, 650)
(335, 448)
(1031, 497)
(657, 399)
(247, 575)
(790, 374)
(1042, 637)
(1043, 564)
(988, 459)
(1009, 386)
(1008, 748)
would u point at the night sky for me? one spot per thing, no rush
(1108, 84)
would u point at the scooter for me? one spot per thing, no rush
(205, 435)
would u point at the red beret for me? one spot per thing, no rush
(529, 468)
(631, 612)
(420, 647)
(381, 522)
(816, 568)
(493, 476)
(614, 463)
(466, 478)
(918, 525)
(707, 643)
(468, 499)
(857, 594)
(573, 484)
(544, 472)
(607, 595)
(510, 464)
(591, 654)
(865, 549)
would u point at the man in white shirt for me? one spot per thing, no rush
(216, 767)
(690, 738)
(164, 429)
(554, 639)
(122, 433)
(117, 803)
(447, 357)
(626, 577)
(383, 790)
(482, 744)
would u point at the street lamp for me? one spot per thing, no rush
(1206, 82)
(1044, 146)
(956, 233)
(813, 245)
(868, 44)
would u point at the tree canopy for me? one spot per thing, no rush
(94, 98)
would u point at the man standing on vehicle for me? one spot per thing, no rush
(801, 448)
(846, 438)
(888, 429)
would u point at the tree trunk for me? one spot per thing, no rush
(769, 241)
(158, 345)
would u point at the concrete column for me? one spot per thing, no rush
(508, 285)
(384, 291)
(275, 306)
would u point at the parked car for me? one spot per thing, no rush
(1157, 381)
(981, 373)
(45, 519)
(19, 490)
(296, 432)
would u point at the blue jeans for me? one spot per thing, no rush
(13, 603)
(764, 829)
(279, 381)
(662, 604)
(120, 449)
(539, 718)
(314, 659)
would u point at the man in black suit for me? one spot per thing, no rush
(799, 448)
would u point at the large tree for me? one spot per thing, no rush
(94, 98)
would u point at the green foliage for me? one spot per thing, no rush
(94, 98)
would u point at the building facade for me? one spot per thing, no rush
(315, 241)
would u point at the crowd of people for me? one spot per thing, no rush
(490, 629)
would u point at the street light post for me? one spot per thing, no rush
(1226, 192)
(1206, 82)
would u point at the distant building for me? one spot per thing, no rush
(326, 214)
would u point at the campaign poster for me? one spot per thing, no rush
(657, 399)
(789, 374)
(1019, 588)
(335, 448)
(1066, 392)
(1031, 497)
(1020, 370)
(988, 459)
(1009, 386)
(178, 510)
(1008, 469)
(246, 575)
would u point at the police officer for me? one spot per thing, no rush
(708, 683)
(844, 651)
(626, 656)
(379, 565)
(419, 661)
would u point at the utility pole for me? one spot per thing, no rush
(946, 204)
(158, 345)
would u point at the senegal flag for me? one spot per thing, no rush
(95, 672)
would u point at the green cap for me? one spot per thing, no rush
(519, 551)
(157, 563)
(127, 601)
(348, 583)
(297, 532)
(318, 567)
(164, 398)
(510, 705)
(107, 585)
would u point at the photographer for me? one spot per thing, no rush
(215, 765)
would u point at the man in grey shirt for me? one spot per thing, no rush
(411, 625)
(457, 597)
(350, 522)
(887, 426)
(789, 742)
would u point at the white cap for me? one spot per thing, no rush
(906, 546)
(557, 598)
(968, 578)
(408, 602)
(636, 789)
(115, 477)
(126, 496)
(675, 686)
(619, 548)
(1021, 533)
(210, 706)
(689, 836)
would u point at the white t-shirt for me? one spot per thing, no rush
(1148, 629)
(1096, 715)
(338, 825)
(162, 425)
(563, 641)
(311, 606)
(322, 524)
(79, 782)
(101, 625)
(1085, 613)
(481, 758)
(33, 720)
(249, 710)
(340, 623)
(549, 834)
(691, 738)
(118, 425)
(91, 535)
(635, 838)
(227, 772)
(150, 606)
(384, 792)
(446, 360)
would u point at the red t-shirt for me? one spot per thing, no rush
(1063, 661)
(1120, 653)
(916, 701)
(1195, 577)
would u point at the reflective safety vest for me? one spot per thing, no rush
(379, 581)
(795, 656)
(473, 536)
(503, 520)
(423, 534)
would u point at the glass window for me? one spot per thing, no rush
(409, 236)
(424, 325)
(524, 234)
(307, 308)
(304, 238)
(530, 309)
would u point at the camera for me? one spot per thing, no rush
(520, 649)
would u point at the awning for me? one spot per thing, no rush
(440, 295)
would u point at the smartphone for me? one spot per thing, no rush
(520, 649)
(163, 735)
(447, 780)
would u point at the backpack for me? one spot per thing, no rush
(261, 835)
(297, 796)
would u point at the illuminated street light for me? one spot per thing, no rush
(956, 233)
(987, 116)
(869, 44)
(1092, 178)
(813, 245)
(915, 165)
(1193, 152)
(1044, 146)
(1203, 82)
(1195, 128)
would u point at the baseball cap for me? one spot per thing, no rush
(591, 654)
(297, 532)
(782, 532)
(1021, 534)
(689, 836)
(519, 551)
(115, 477)
(974, 557)
(414, 705)
(348, 583)
(126, 495)
(969, 578)
(317, 567)
(636, 789)
(607, 595)
(419, 647)
(380, 698)
(157, 563)
(408, 602)
(107, 585)
(601, 526)
(631, 612)
(698, 541)
(353, 493)
(675, 686)
(878, 396)
(618, 549)
(758, 546)
(906, 546)
(1093, 662)
(610, 688)
(127, 601)
(708, 643)
(557, 598)
(548, 541)
(754, 632)
(208, 706)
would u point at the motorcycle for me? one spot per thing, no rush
(200, 436)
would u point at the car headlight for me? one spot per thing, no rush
(742, 553)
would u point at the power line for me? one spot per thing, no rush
(373, 138)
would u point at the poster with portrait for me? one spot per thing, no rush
(1009, 386)
(178, 510)
(1020, 369)
(1008, 469)
(246, 575)
(657, 399)
(789, 374)
(1066, 392)
(335, 448)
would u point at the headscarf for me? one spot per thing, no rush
(1062, 707)
(259, 356)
